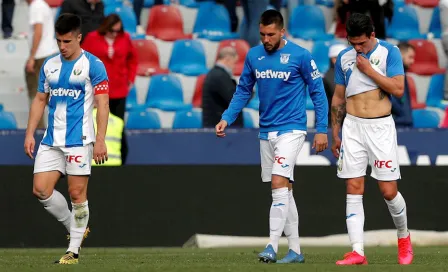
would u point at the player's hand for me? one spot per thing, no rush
(220, 127)
(100, 152)
(29, 67)
(29, 146)
(363, 64)
(336, 147)
(320, 142)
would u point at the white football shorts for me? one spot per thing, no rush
(369, 141)
(279, 154)
(75, 161)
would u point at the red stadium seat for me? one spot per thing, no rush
(242, 47)
(340, 31)
(445, 120)
(54, 3)
(426, 60)
(148, 58)
(197, 97)
(165, 23)
(424, 3)
(413, 94)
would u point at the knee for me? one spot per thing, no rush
(279, 182)
(41, 193)
(77, 194)
(355, 187)
(389, 194)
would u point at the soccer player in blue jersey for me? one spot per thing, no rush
(70, 81)
(366, 75)
(282, 71)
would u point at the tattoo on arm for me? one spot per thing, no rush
(338, 113)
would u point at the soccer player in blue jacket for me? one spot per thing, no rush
(282, 71)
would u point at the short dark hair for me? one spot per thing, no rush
(272, 16)
(359, 24)
(66, 23)
(405, 46)
(108, 23)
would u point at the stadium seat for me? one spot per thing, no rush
(413, 94)
(320, 55)
(327, 3)
(189, 3)
(248, 122)
(404, 25)
(426, 60)
(340, 31)
(435, 92)
(188, 58)
(213, 22)
(445, 120)
(132, 102)
(424, 3)
(54, 3)
(127, 16)
(165, 93)
(241, 47)
(143, 120)
(197, 97)
(434, 26)
(166, 23)
(7, 119)
(148, 58)
(425, 118)
(187, 119)
(314, 28)
(150, 3)
(399, 3)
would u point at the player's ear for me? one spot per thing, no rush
(372, 36)
(282, 32)
(79, 37)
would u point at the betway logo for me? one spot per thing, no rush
(65, 92)
(272, 74)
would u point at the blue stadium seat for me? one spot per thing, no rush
(434, 26)
(189, 3)
(165, 93)
(248, 122)
(327, 3)
(7, 119)
(320, 55)
(131, 101)
(143, 120)
(213, 22)
(399, 3)
(425, 118)
(128, 18)
(187, 119)
(112, 3)
(150, 3)
(404, 25)
(435, 92)
(314, 28)
(188, 58)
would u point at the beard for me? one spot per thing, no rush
(274, 48)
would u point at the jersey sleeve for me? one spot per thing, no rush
(36, 14)
(339, 77)
(98, 76)
(313, 79)
(394, 63)
(242, 94)
(43, 85)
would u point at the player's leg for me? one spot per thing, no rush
(352, 165)
(78, 172)
(47, 171)
(383, 153)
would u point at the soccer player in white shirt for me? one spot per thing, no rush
(366, 75)
(70, 82)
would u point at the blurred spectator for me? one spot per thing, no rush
(90, 11)
(378, 10)
(42, 43)
(231, 8)
(401, 107)
(252, 12)
(277, 4)
(328, 79)
(218, 89)
(111, 44)
(7, 13)
(444, 23)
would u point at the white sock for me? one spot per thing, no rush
(292, 225)
(278, 215)
(355, 222)
(397, 209)
(57, 206)
(80, 218)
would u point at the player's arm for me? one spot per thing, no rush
(316, 89)
(393, 82)
(338, 106)
(36, 112)
(102, 116)
(242, 94)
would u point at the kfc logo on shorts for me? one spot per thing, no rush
(383, 164)
(279, 159)
(73, 158)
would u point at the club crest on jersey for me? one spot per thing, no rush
(375, 61)
(284, 58)
(77, 72)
